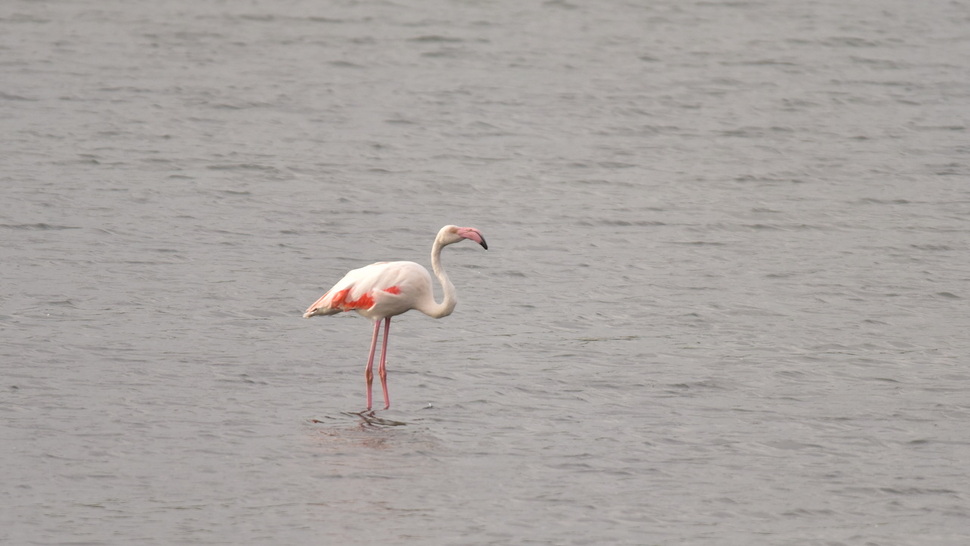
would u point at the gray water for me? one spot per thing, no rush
(724, 301)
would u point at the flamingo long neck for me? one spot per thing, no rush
(443, 309)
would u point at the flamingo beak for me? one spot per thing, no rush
(474, 235)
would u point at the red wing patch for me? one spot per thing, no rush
(340, 301)
(393, 290)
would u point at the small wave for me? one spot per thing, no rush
(40, 226)
(434, 38)
(629, 223)
(8, 96)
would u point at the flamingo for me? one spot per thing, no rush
(386, 289)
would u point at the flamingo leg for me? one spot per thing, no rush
(369, 371)
(382, 368)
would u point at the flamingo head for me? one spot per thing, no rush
(453, 234)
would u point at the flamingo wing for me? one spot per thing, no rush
(378, 290)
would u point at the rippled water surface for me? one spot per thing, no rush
(724, 301)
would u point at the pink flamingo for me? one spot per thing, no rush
(385, 289)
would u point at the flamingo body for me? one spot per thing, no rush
(376, 291)
(386, 289)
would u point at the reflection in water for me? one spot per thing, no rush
(368, 418)
(345, 433)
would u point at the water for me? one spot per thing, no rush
(724, 301)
